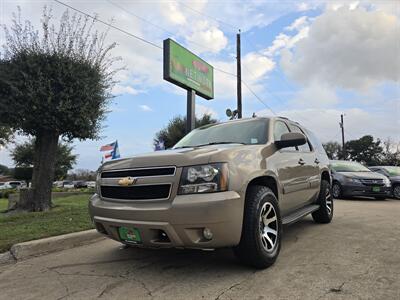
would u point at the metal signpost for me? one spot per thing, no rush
(187, 70)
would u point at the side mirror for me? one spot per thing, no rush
(291, 139)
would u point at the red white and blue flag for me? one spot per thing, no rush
(112, 151)
(108, 147)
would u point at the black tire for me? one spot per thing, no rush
(337, 191)
(396, 191)
(325, 200)
(253, 247)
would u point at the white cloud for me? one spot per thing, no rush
(202, 110)
(211, 37)
(302, 6)
(285, 41)
(124, 89)
(353, 49)
(315, 95)
(358, 122)
(255, 68)
(172, 13)
(298, 24)
(144, 107)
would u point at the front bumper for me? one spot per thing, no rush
(182, 220)
(366, 191)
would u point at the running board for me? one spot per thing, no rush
(300, 213)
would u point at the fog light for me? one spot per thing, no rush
(208, 235)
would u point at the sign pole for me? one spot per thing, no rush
(190, 112)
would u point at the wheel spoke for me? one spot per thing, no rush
(268, 227)
(269, 230)
(271, 243)
(269, 221)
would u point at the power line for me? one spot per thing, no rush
(157, 46)
(208, 16)
(257, 97)
(110, 25)
(155, 25)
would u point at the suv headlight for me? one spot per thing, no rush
(98, 178)
(354, 180)
(387, 182)
(204, 179)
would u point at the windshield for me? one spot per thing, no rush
(245, 132)
(393, 171)
(348, 166)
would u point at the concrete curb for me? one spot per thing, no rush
(30, 249)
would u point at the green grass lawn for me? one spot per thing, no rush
(70, 214)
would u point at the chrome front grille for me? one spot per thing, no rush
(143, 184)
(371, 182)
(142, 172)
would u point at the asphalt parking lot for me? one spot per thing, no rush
(357, 256)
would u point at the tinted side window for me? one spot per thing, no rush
(279, 129)
(303, 148)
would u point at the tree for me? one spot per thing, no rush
(24, 155)
(23, 173)
(53, 84)
(82, 174)
(365, 150)
(4, 170)
(391, 153)
(176, 130)
(333, 150)
(5, 135)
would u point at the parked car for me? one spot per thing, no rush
(5, 186)
(12, 185)
(231, 184)
(68, 184)
(91, 184)
(393, 173)
(80, 184)
(353, 179)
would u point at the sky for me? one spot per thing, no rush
(310, 61)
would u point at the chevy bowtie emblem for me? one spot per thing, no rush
(127, 181)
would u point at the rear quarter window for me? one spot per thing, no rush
(315, 143)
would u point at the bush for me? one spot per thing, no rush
(5, 193)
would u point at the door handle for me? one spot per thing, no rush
(316, 161)
(301, 161)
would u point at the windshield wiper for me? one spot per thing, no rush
(211, 143)
(219, 143)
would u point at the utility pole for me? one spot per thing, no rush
(342, 126)
(239, 76)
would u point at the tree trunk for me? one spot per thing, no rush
(38, 198)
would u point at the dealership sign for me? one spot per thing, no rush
(187, 70)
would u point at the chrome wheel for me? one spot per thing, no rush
(268, 227)
(396, 191)
(328, 201)
(336, 190)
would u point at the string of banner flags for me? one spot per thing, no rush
(111, 150)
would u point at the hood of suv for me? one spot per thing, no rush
(363, 175)
(175, 157)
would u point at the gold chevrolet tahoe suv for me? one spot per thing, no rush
(232, 184)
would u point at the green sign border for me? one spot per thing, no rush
(168, 75)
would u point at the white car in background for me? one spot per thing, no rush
(12, 185)
(91, 184)
(68, 185)
(5, 186)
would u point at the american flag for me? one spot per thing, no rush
(108, 147)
